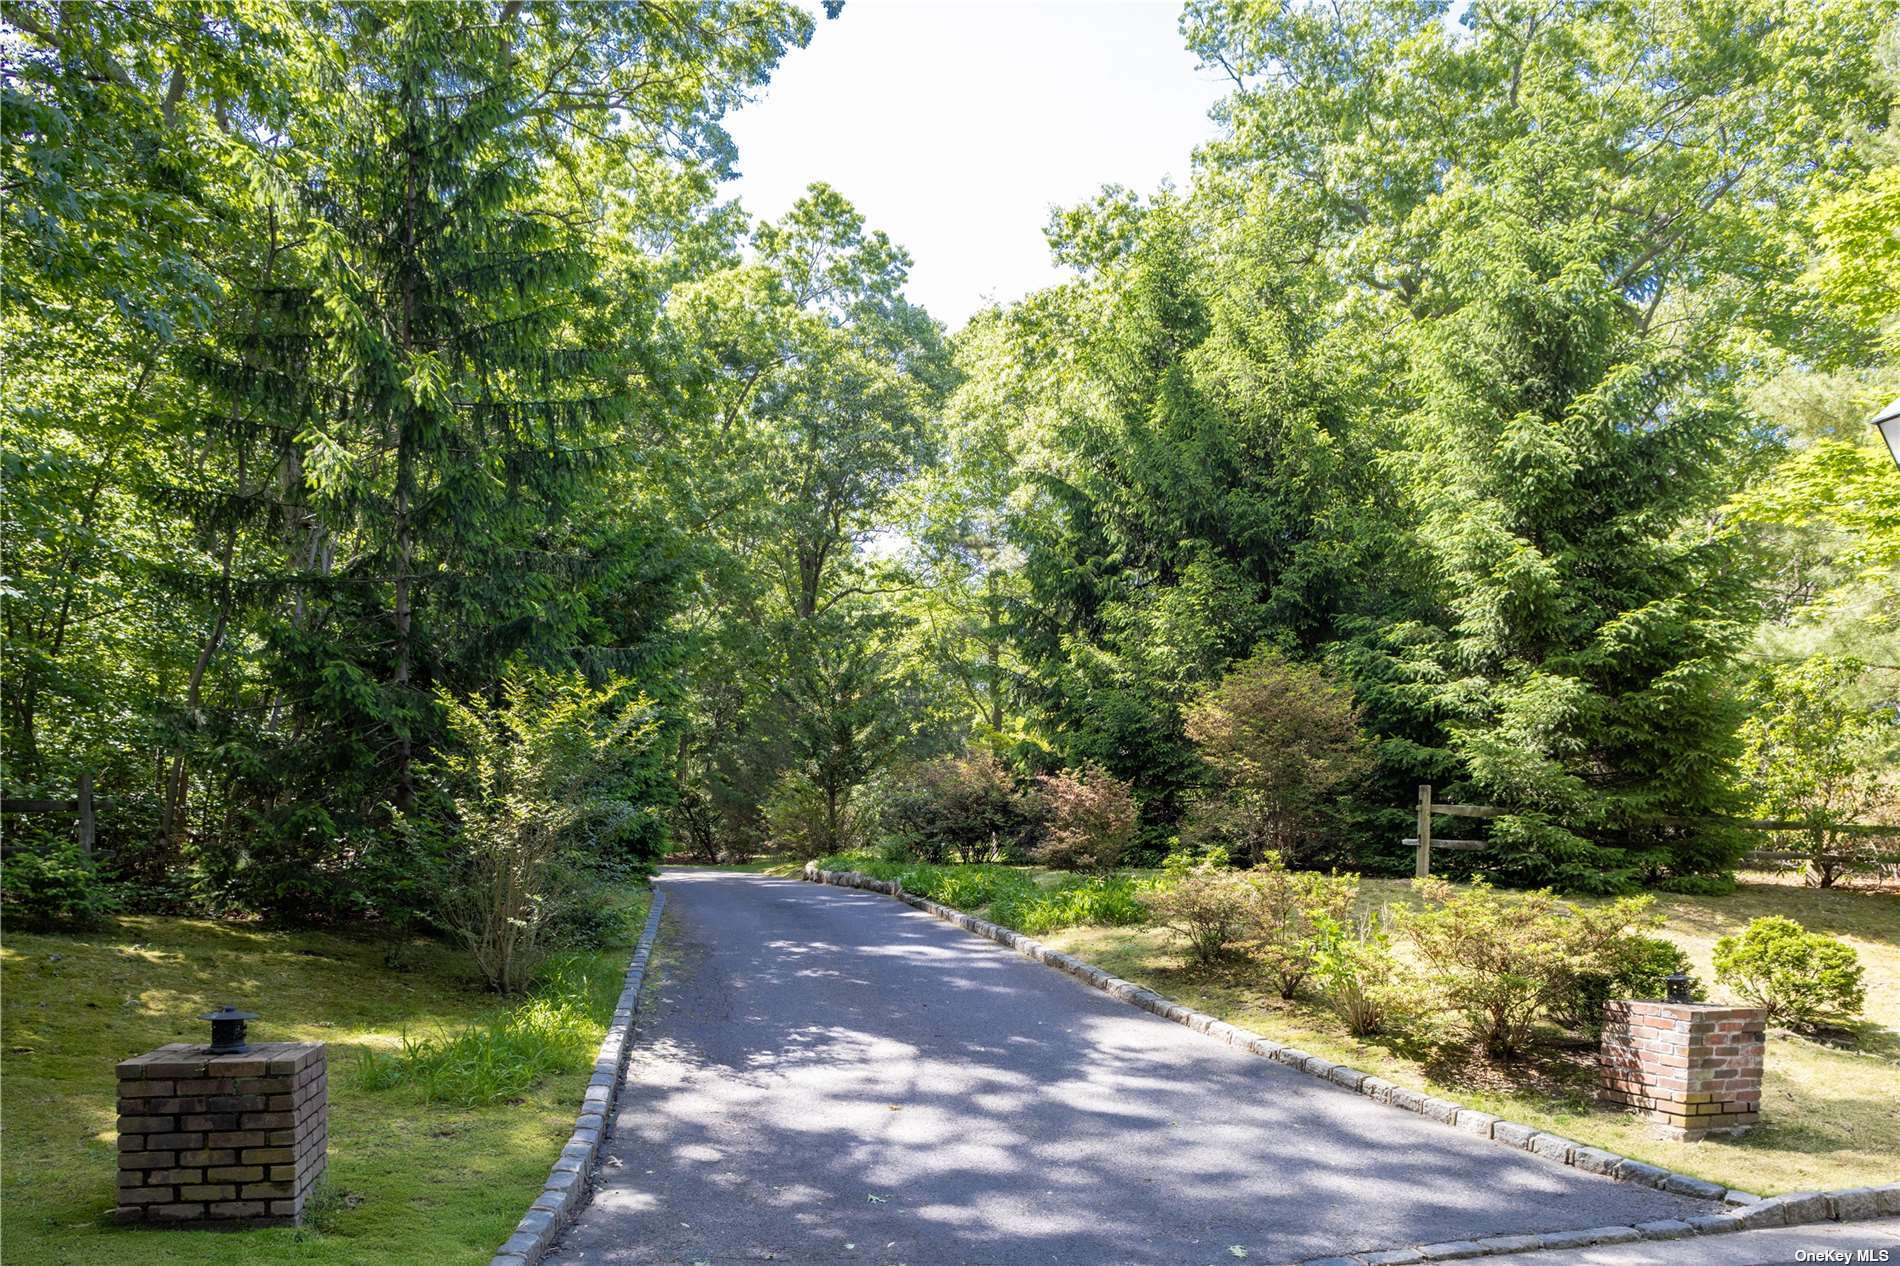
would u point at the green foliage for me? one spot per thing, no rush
(1088, 819)
(1295, 912)
(1803, 979)
(966, 807)
(1280, 740)
(333, 383)
(1097, 901)
(1813, 753)
(1503, 962)
(965, 887)
(1359, 975)
(553, 1030)
(531, 783)
(50, 884)
(1008, 895)
(1638, 968)
(1210, 907)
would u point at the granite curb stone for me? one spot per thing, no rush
(1744, 1210)
(566, 1188)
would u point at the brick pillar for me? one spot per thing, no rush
(1693, 1068)
(222, 1139)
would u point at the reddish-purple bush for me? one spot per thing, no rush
(1089, 818)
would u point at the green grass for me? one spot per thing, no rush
(414, 1176)
(1831, 1116)
(1034, 901)
(769, 864)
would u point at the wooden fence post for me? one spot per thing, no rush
(1424, 864)
(85, 813)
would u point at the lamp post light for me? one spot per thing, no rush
(227, 1030)
(1887, 421)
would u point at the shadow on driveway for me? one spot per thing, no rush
(827, 1076)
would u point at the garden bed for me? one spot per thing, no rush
(416, 1174)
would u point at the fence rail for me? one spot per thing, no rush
(1424, 842)
(79, 809)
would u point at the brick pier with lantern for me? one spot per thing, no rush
(211, 1136)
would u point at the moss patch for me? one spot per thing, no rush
(408, 1180)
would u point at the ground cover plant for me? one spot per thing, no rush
(435, 1146)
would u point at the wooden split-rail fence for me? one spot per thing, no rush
(1424, 842)
(79, 810)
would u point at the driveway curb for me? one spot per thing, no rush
(566, 1187)
(1745, 1211)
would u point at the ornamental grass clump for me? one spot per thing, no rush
(555, 1029)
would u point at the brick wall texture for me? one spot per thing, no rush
(226, 1139)
(1693, 1068)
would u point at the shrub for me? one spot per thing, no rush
(1279, 739)
(965, 887)
(803, 820)
(589, 915)
(967, 807)
(1801, 978)
(1359, 974)
(1639, 967)
(531, 780)
(1089, 819)
(1503, 961)
(50, 883)
(1211, 908)
(1293, 912)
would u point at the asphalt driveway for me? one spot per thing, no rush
(822, 1076)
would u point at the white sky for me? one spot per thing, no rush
(955, 125)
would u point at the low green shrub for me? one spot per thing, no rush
(589, 916)
(1295, 908)
(1099, 901)
(967, 887)
(1209, 907)
(1008, 895)
(51, 884)
(555, 1029)
(1360, 976)
(961, 808)
(1638, 967)
(1802, 979)
(1503, 962)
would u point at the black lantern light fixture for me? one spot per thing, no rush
(1887, 422)
(227, 1029)
(1677, 985)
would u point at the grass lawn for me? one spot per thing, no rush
(1831, 1117)
(409, 1180)
(768, 864)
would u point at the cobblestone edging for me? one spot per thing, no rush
(566, 1188)
(1744, 1211)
